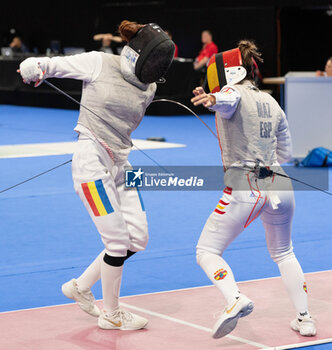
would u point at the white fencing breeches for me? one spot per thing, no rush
(233, 213)
(237, 209)
(118, 213)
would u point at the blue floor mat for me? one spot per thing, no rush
(47, 237)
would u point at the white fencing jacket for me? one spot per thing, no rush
(251, 125)
(112, 92)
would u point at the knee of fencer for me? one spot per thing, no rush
(279, 257)
(201, 254)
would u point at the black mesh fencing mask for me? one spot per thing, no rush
(155, 53)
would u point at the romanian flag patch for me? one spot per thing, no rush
(97, 198)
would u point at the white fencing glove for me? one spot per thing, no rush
(31, 70)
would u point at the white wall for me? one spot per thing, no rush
(308, 106)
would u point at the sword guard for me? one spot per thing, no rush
(262, 172)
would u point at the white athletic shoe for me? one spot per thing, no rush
(84, 299)
(305, 325)
(243, 306)
(121, 319)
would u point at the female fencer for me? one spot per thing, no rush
(117, 89)
(254, 138)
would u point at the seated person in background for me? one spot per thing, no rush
(176, 53)
(18, 46)
(106, 41)
(328, 69)
(209, 48)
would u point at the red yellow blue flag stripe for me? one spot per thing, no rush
(97, 198)
(140, 199)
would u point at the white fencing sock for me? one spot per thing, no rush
(220, 274)
(92, 273)
(111, 282)
(293, 279)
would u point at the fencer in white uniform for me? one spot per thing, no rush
(118, 89)
(254, 138)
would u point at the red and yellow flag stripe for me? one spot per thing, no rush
(220, 207)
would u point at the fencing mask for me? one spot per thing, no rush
(150, 53)
(225, 68)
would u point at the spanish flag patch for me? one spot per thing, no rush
(220, 274)
(97, 198)
(221, 206)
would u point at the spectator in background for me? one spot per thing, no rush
(209, 48)
(176, 53)
(18, 46)
(106, 41)
(328, 69)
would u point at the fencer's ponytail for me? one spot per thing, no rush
(250, 54)
(128, 29)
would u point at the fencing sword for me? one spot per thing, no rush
(188, 109)
(153, 160)
(95, 114)
(256, 168)
(66, 162)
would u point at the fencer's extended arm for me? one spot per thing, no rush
(284, 140)
(227, 101)
(85, 66)
(109, 36)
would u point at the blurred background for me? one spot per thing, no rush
(293, 35)
(300, 30)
